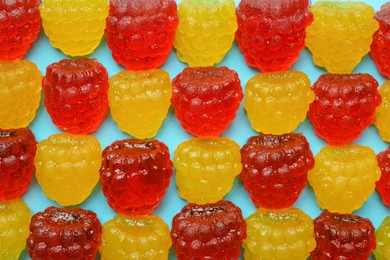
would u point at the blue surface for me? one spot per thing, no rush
(43, 54)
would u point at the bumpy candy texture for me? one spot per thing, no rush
(271, 34)
(74, 26)
(67, 167)
(344, 177)
(206, 31)
(344, 106)
(206, 99)
(206, 168)
(135, 238)
(274, 169)
(383, 185)
(380, 47)
(17, 152)
(64, 234)
(343, 236)
(212, 231)
(341, 34)
(276, 103)
(135, 174)
(14, 220)
(76, 94)
(382, 234)
(139, 101)
(20, 93)
(20, 23)
(140, 33)
(279, 234)
(382, 116)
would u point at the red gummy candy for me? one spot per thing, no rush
(64, 234)
(20, 24)
(206, 99)
(383, 185)
(135, 174)
(272, 33)
(343, 236)
(76, 94)
(274, 169)
(17, 152)
(140, 33)
(344, 106)
(212, 231)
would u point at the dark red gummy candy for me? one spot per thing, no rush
(275, 169)
(135, 175)
(344, 106)
(206, 99)
(140, 33)
(17, 152)
(383, 185)
(343, 236)
(212, 231)
(76, 94)
(64, 234)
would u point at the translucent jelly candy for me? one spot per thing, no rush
(139, 101)
(206, 168)
(20, 93)
(67, 167)
(276, 103)
(343, 236)
(206, 31)
(271, 33)
(344, 106)
(206, 99)
(76, 94)
(382, 251)
(275, 169)
(74, 26)
(19, 27)
(135, 174)
(279, 234)
(382, 116)
(64, 233)
(344, 177)
(14, 220)
(17, 152)
(383, 185)
(135, 237)
(212, 231)
(341, 34)
(140, 33)
(380, 47)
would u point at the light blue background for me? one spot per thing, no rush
(43, 54)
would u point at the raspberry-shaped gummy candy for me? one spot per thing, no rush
(341, 34)
(64, 233)
(67, 167)
(344, 106)
(76, 94)
(382, 234)
(140, 33)
(14, 220)
(383, 185)
(206, 99)
(279, 234)
(274, 169)
(271, 34)
(276, 103)
(135, 174)
(139, 101)
(206, 168)
(135, 237)
(343, 236)
(20, 93)
(212, 231)
(74, 26)
(206, 31)
(20, 24)
(382, 116)
(344, 177)
(380, 47)
(17, 152)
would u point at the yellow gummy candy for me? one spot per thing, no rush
(382, 234)
(382, 116)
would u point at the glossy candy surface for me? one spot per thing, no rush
(382, 116)
(382, 235)
(383, 185)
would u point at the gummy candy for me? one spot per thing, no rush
(382, 116)
(67, 167)
(139, 101)
(382, 234)
(206, 31)
(383, 185)
(276, 103)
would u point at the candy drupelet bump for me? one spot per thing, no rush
(382, 235)
(383, 185)
(382, 115)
